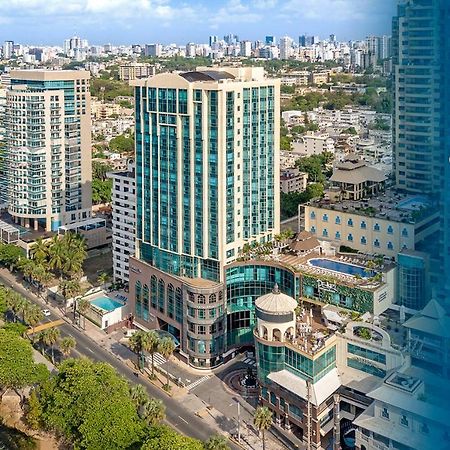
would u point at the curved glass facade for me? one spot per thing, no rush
(245, 283)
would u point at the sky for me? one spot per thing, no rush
(49, 22)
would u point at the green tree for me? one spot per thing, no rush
(162, 437)
(103, 278)
(67, 345)
(50, 337)
(69, 289)
(33, 315)
(217, 442)
(122, 144)
(138, 395)
(153, 411)
(40, 250)
(33, 412)
(100, 169)
(166, 348)
(90, 405)
(262, 421)
(138, 344)
(82, 307)
(152, 346)
(10, 255)
(17, 367)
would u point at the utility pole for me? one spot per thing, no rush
(308, 415)
(239, 421)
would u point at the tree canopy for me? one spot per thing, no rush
(91, 406)
(163, 437)
(17, 367)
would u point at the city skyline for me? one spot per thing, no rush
(166, 21)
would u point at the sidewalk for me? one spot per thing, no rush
(213, 412)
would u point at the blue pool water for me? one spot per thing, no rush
(106, 303)
(413, 203)
(338, 266)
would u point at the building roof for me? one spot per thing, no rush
(207, 75)
(320, 390)
(304, 241)
(276, 302)
(356, 173)
(432, 320)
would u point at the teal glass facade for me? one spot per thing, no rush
(162, 124)
(245, 283)
(272, 358)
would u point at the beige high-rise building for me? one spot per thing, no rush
(48, 144)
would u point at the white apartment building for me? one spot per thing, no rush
(48, 145)
(130, 72)
(292, 180)
(123, 221)
(313, 144)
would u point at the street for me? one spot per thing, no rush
(176, 415)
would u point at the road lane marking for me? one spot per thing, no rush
(184, 420)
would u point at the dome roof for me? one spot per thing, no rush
(276, 302)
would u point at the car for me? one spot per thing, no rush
(46, 312)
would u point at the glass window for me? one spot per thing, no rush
(385, 413)
(350, 222)
(350, 237)
(390, 229)
(390, 245)
(325, 232)
(363, 240)
(338, 220)
(312, 215)
(376, 227)
(363, 225)
(404, 420)
(325, 218)
(337, 235)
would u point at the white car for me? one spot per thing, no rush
(46, 312)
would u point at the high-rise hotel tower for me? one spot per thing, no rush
(207, 184)
(48, 147)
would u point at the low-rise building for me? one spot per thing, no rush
(383, 225)
(292, 180)
(313, 144)
(353, 179)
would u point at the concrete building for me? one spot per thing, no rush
(353, 179)
(383, 225)
(48, 144)
(207, 172)
(286, 47)
(153, 50)
(292, 180)
(246, 49)
(8, 49)
(135, 71)
(123, 221)
(313, 144)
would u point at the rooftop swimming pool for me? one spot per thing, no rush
(338, 266)
(106, 303)
(413, 203)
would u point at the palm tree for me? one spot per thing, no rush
(33, 315)
(262, 421)
(166, 347)
(217, 442)
(138, 343)
(82, 306)
(50, 338)
(40, 250)
(14, 302)
(139, 395)
(103, 278)
(152, 347)
(67, 345)
(57, 255)
(42, 277)
(153, 411)
(69, 289)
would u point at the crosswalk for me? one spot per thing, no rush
(250, 361)
(158, 359)
(194, 384)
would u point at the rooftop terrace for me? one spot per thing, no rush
(391, 206)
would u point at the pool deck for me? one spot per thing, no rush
(300, 264)
(396, 206)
